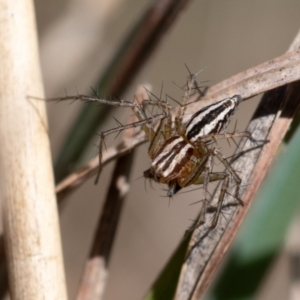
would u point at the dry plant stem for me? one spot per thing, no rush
(76, 179)
(197, 266)
(259, 79)
(95, 273)
(280, 127)
(31, 230)
(206, 257)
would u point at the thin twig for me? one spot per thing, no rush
(283, 70)
(76, 179)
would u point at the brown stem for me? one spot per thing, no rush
(270, 121)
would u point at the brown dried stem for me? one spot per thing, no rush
(271, 120)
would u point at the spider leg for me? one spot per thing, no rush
(191, 82)
(154, 136)
(135, 106)
(206, 171)
(105, 133)
(161, 133)
(205, 176)
(232, 172)
(196, 173)
(224, 188)
(204, 179)
(214, 222)
(156, 140)
(214, 137)
(214, 176)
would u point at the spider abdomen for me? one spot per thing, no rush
(176, 158)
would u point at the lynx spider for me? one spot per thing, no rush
(182, 154)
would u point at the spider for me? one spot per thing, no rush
(182, 154)
(185, 157)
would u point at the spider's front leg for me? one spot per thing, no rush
(225, 185)
(217, 136)
(190, 85)
(225, 176)
(164, 129)
(135, 107)
(204, 176)
(206, 171)
(155, 136)
(104, 134)
(232, 172)
(138, 108)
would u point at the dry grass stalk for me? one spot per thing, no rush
(31, 228)
(271, 121)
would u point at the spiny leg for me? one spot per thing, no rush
(233, 173)
(214, 176)
(196, 173)
(224, 188)
(158, 137)
(206, 171)
(105, 133)
(85, 98)
(205, 179)
(214, 222)
(166, 108)
(161, 133)
(136, 108)
(201, 175)
(217, 136)
(191, 82)
(196, 86)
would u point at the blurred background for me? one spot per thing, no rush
(77, 41)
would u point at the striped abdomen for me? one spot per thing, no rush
(175, 158)
(212, 119)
